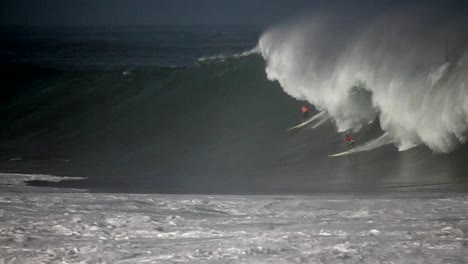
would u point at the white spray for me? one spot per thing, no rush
(394, 68)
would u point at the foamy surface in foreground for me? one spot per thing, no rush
(129, 228)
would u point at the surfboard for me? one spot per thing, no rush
(383, 140)
(307, 121)
(343, 153)
(301, 124)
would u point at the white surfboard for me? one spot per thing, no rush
(310, 120)
(383, 140)
(343, 153)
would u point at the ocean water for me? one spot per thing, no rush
(163, 144)
(110, 47)
(205, 108)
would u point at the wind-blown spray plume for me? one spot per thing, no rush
(408, 70)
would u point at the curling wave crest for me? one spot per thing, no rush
(409, 74)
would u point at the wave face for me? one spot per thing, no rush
(162, 128)
(408, 69)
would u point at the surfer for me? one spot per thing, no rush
(305, 113)
(349, 141)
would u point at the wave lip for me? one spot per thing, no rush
(222, 57)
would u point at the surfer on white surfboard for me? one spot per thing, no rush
(349, 141)
(305, 113)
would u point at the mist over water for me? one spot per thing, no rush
(407, 69)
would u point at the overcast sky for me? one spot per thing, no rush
(154, 12)
(136, 12)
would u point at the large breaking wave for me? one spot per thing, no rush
(409, 70)
(218, 125)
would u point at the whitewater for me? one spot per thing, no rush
(414, 81)
(72, 226)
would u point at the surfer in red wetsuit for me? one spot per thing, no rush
(305, 113)
(349, 141)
